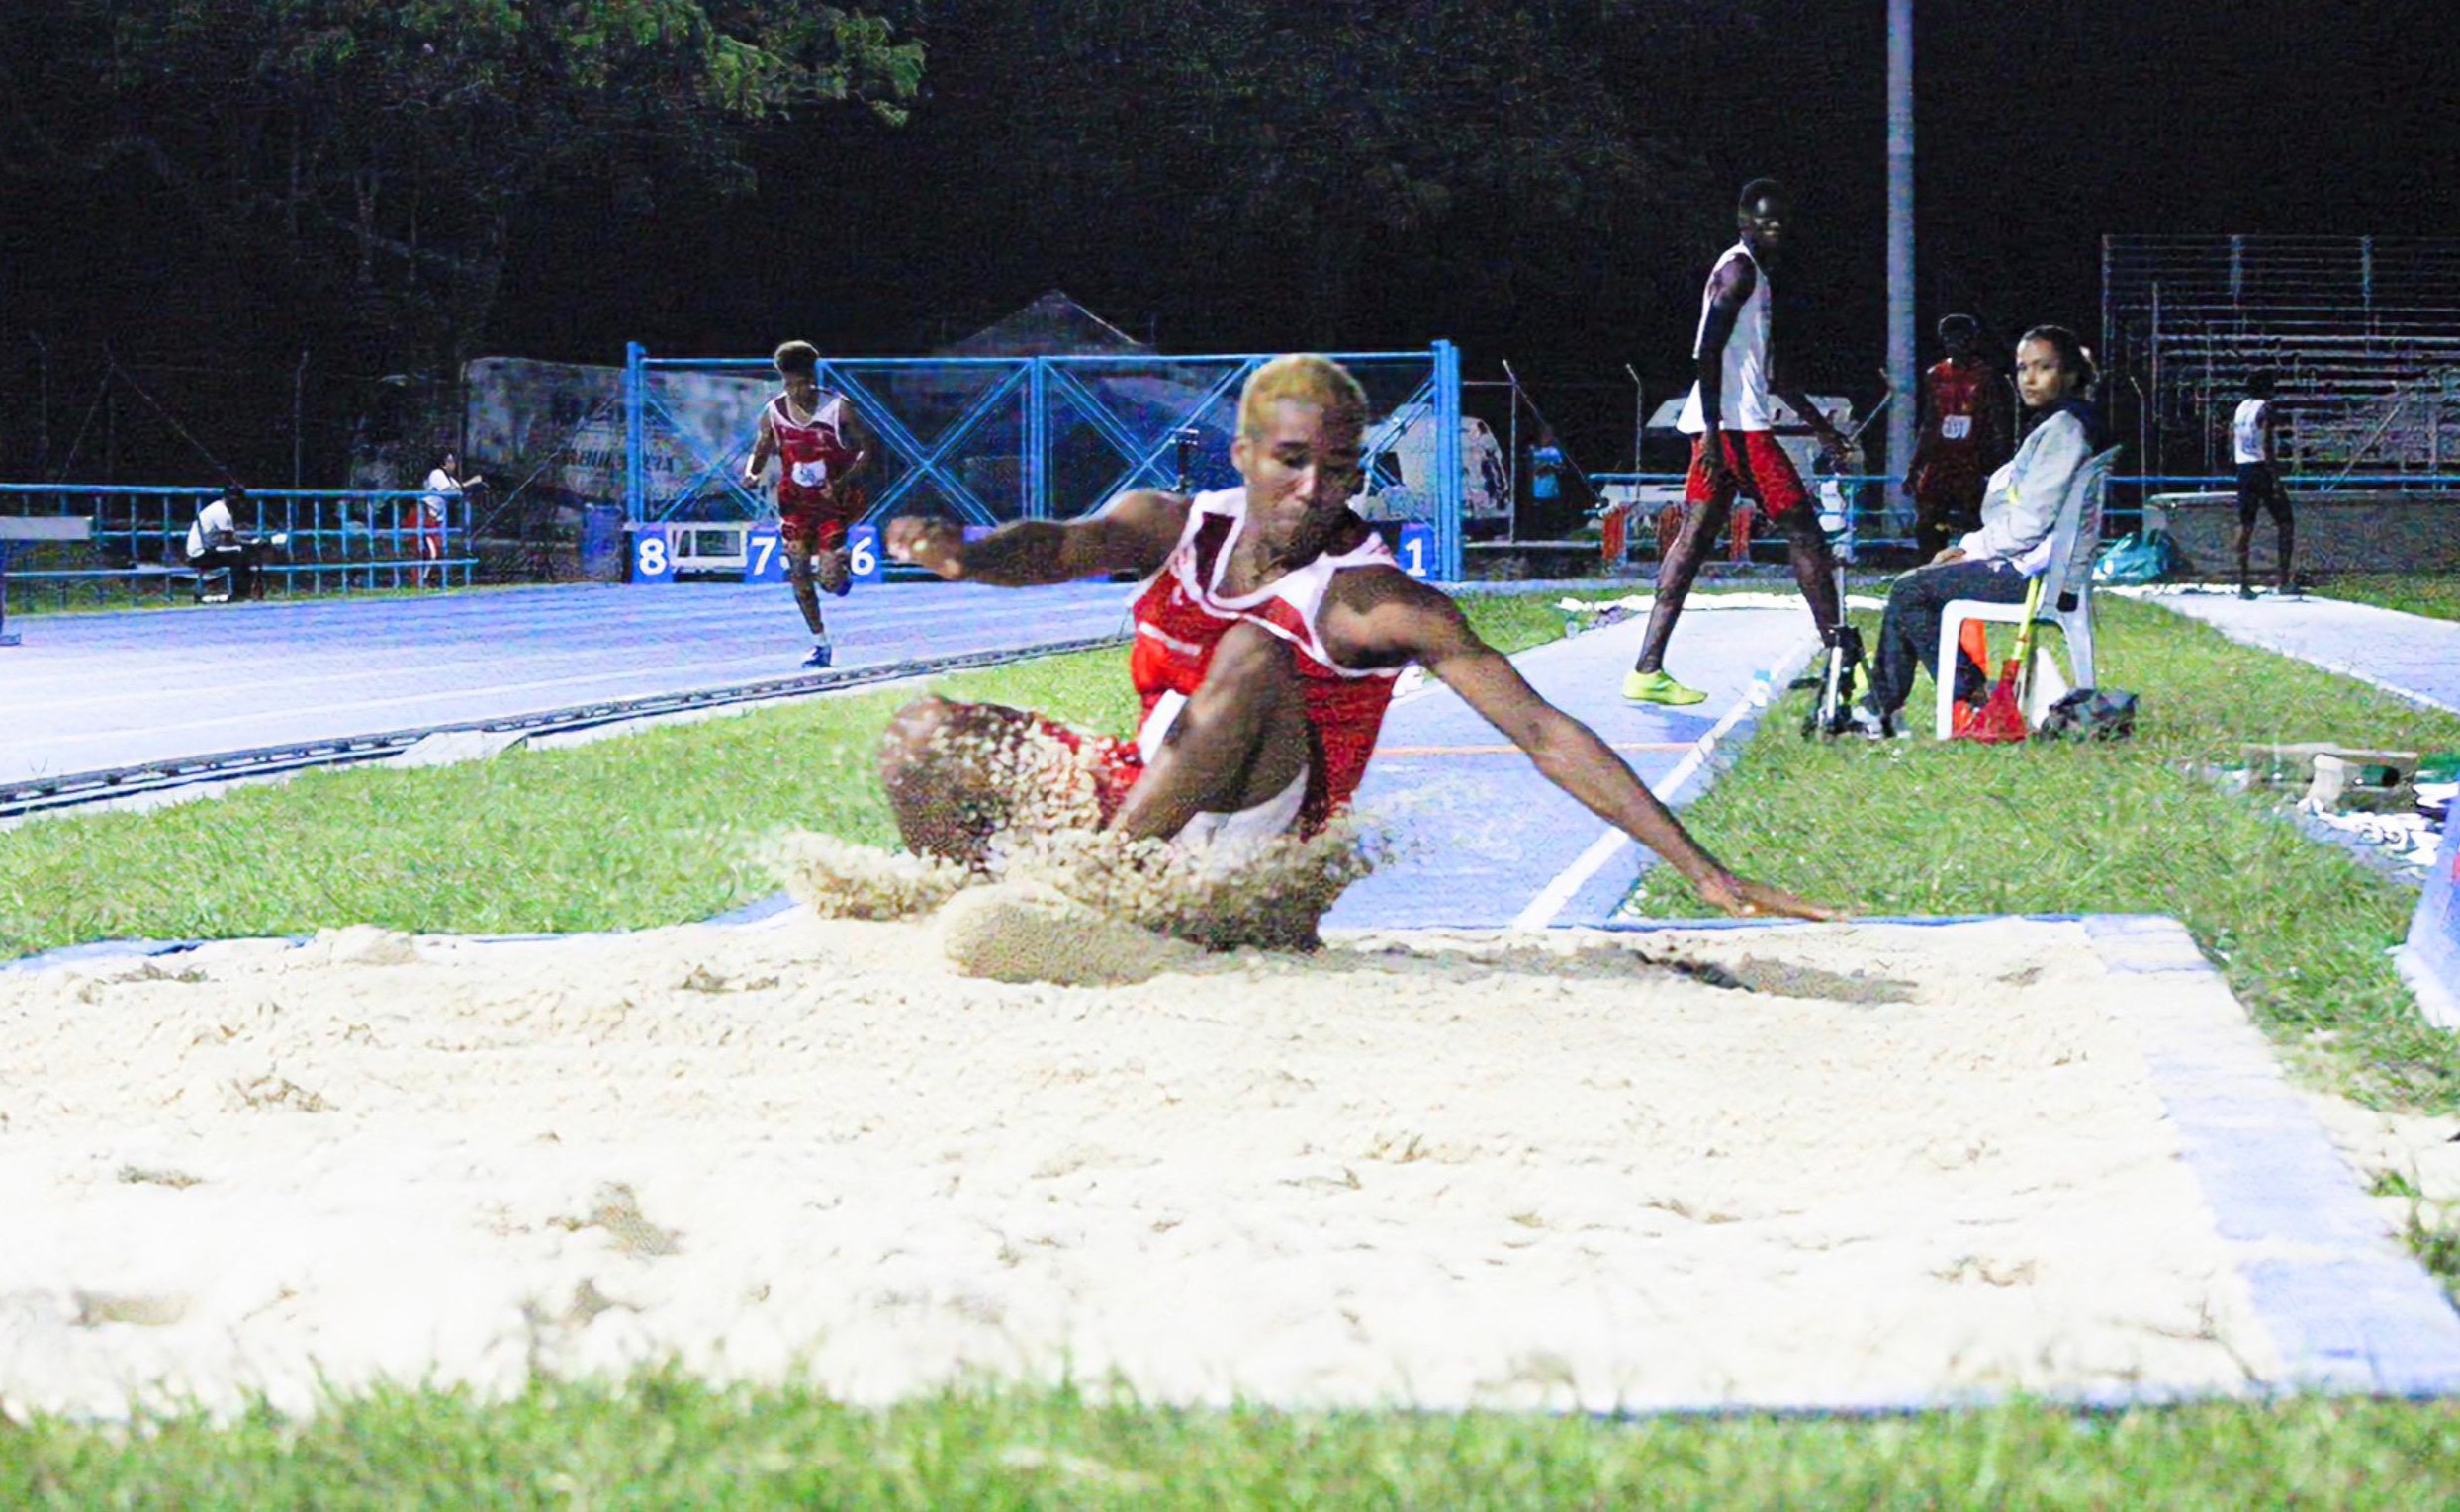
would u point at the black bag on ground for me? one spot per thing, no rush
(2090, 714)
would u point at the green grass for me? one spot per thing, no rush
(667, 1442)
(1921, 827)
(2436, 598)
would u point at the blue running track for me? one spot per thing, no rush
(88, 692)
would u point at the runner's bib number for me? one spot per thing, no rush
(809, 475)
(1956, 427)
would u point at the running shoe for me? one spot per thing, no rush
(819, 657)
(1657, 687)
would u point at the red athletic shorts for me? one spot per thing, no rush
(817, 520)
(1755, 459)
(809, 533)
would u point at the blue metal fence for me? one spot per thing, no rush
(991, 439)
(340, 540)
(1874, 509)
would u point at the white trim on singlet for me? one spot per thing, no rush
(1743, 401)
(1303, 589)
(830, 400)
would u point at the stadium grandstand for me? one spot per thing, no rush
(2364, 333)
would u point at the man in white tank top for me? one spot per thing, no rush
(1733, 417)
(2251, 434)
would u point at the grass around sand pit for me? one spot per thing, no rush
(665, 1440)
(664, 826)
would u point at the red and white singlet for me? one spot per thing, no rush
(1957, 402)
(1181, 616)
(811, 454)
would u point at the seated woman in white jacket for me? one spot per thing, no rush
(2019, 510)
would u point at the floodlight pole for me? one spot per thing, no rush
(1901, 342)
(1639, 414)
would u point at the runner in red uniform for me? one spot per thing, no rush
(1266, 641)
(820, 448)
(1963, 436)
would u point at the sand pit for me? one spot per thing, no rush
(1824, 1165)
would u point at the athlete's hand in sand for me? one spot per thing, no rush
(1745, 899)
(931, 544)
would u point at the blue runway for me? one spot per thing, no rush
(1485, 842)
(87, 692)
(2410, 655)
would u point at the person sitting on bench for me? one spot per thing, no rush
(216, 545)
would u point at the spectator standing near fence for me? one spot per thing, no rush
(2253, 434)
(1546, 469)
(216, 545)
(444, 486)
(1733, 418)
(820, 449)
(1962, 436)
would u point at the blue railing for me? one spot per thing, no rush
(1005, 439)
(340, 540)
(2125, 512)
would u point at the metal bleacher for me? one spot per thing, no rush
(2364, 333)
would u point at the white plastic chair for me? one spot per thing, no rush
(2067, 601)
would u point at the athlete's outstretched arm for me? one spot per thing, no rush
(1135, 532)
(1379, 622)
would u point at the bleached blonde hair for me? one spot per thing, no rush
(1308, 378)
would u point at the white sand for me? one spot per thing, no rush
(1377, 1176)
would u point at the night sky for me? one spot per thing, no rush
(2040, 128)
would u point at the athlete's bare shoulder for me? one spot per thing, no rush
(1381, 616)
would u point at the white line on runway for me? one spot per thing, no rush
(1557, 894)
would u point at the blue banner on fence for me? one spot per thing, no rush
(763, 559)
(653, 561)
(2431, 962)
(1418, 550)
(863, 559)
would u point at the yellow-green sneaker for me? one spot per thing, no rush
(1657, 687)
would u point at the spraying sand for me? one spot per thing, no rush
(1824, 1165)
